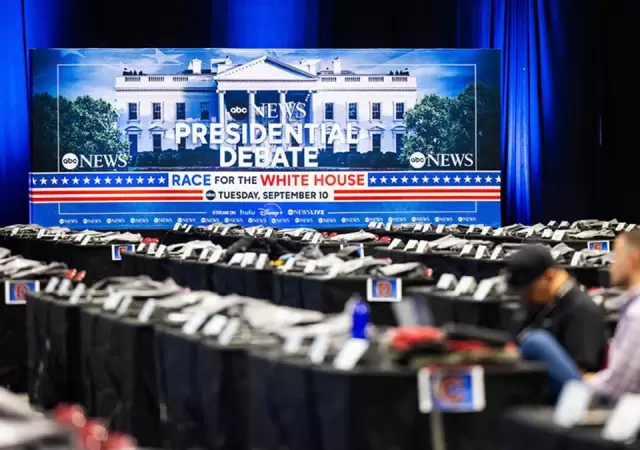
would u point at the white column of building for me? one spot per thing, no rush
(222, 113)
(252, 111)
(283, 112)
(283, 106)
(310, 117)
(252, 103)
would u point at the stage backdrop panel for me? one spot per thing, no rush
(145, 138)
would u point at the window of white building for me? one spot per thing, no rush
(328, 111)
(329, 145)
(354, 147)
(376, 142)
(352, 111)
(376, 111)
(133, 111)
(157, 142)
(181, 111)
(204, 111)
(133, 143)
(399, 142)
(399, 111)
(157, 111)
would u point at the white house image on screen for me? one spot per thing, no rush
(374, 104)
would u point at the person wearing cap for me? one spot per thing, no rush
(556, 309)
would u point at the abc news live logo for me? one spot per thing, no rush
(71, 162)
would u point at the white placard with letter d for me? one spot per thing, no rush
(384, 290)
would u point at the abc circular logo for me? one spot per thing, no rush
(417, 160)
(70, 161)
(238, 111)
(210, 195)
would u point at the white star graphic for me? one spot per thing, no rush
(151, 180)
(107, 180)
(86, 180)
(118, 180)
(404, 179)
(34, 181)
(54, 181)
(129, 180)
(43, 181)
(75, 180)
(65, 180)
(372, 179)
(457, 179)
(394, 179)
(488, 179)
(436, 179)
(467, 179)
(498, 179)
(478, 179)
(161, 180)
(414, 179)
(96, 180)
(446, 179)
(140, 180)
(383, 179)
(425, 179)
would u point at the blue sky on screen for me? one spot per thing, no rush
(93, 71)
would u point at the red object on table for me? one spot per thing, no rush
(71, 415)
(406, 337)
(80, 275)
(93, 435)
(70, 273)
(117, 441)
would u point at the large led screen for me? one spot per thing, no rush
(147, 138)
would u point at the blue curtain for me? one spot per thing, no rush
(539, 40)
(14, 116)
(266, 23)
(24, 24)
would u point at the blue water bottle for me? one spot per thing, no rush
(359, 319)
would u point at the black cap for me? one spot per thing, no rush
(527, 265)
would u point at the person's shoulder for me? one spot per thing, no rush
(633, 312)
(585, 304)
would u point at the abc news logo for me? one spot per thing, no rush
(239, 111)
(417, 160)
(70, 161)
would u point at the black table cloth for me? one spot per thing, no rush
(119, 371)
(450, 262)
(488, 313)
(370, 409)
(527, 428)
(13, 335)
(53, 336)
(196, 275)
(331, 295)
(204, 391)
(284, 413)
(96, 260)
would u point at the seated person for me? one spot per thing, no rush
(555, 302)
(622, 375)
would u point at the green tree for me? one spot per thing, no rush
(87, 126)
(488, 123)
(430, 127)
(447, 125)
